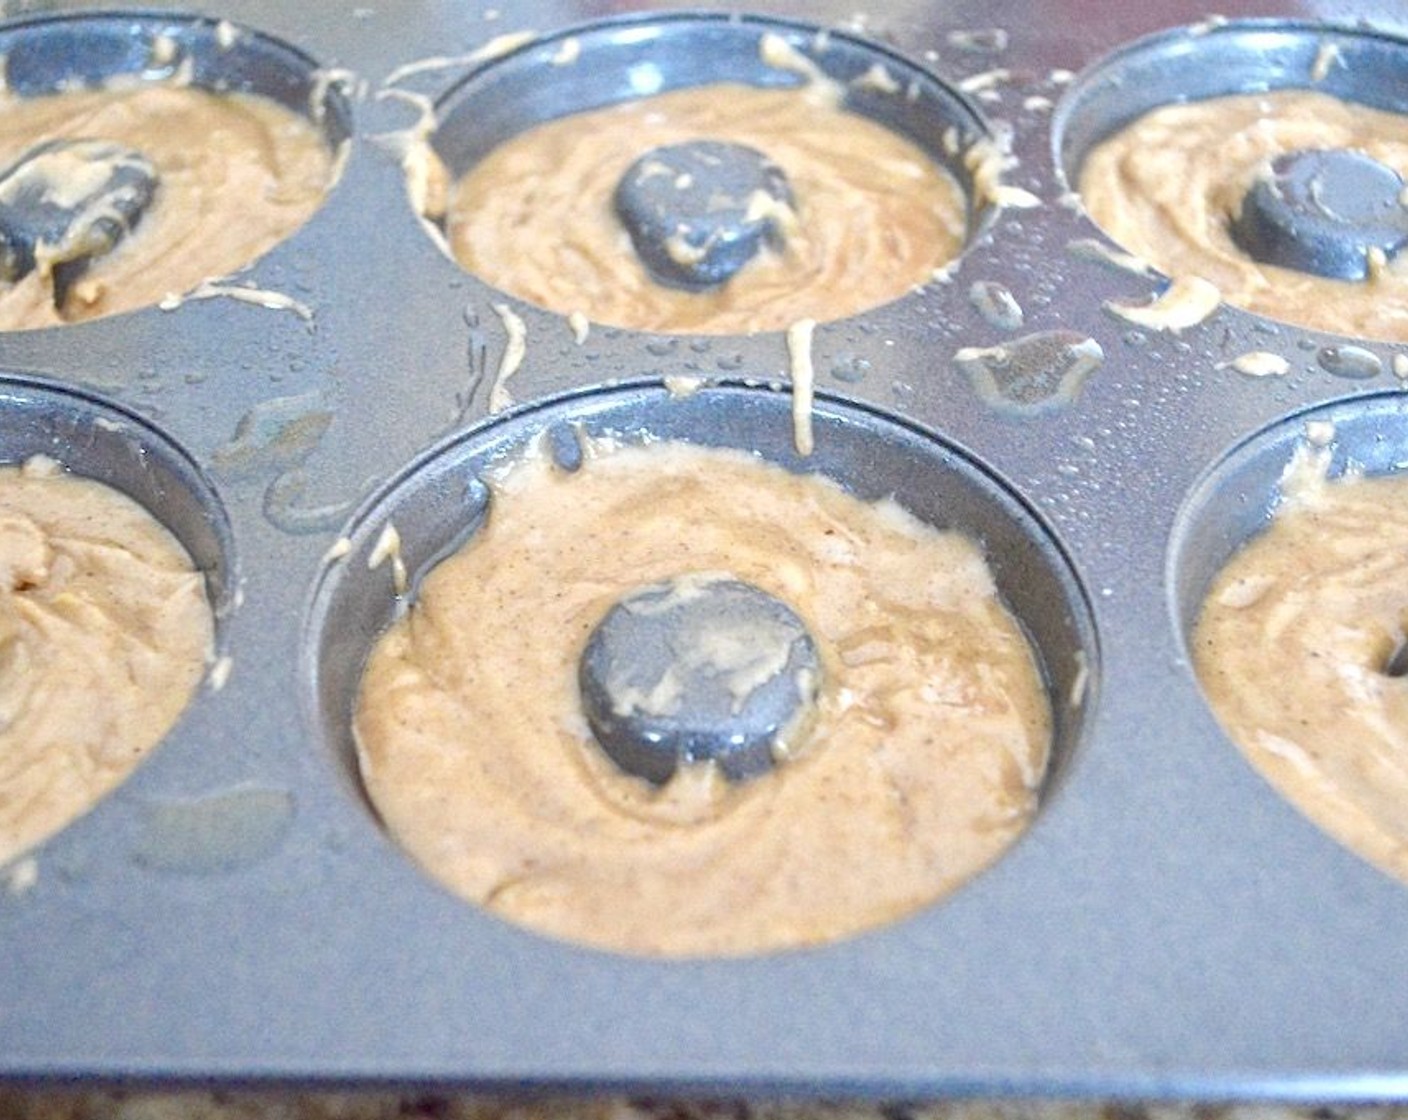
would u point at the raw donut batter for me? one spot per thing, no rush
(104, 635)
(923, 762)
(237, 172)
(1167, 186)
(1293, 650)
(875, 215)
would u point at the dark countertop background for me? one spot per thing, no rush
(58, 1105)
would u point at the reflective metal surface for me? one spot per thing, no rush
(1168, 925)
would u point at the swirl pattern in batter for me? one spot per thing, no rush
(876, 216)
(105, 633)
(922, 764)
(237, 174)
(1168, 186)
(1294, 649)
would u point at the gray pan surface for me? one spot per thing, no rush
(1168, 926)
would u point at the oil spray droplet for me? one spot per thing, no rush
(273, 440)
(287, 508)
(1032, 374)
(849, 368)
(1352, 362)
(215, 832)
(273, 436)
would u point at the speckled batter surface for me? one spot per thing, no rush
(1292, 647)
(237, 174)
(1167, 186)
(105, 633)
(921, 765)
(875, 215)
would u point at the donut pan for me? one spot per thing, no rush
(234, 912)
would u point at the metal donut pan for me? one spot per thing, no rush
(1168, 927)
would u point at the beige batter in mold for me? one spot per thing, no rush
(875, 215)
(922, 765)
(105, 632)
(1292, 648)
(238, 173)
(1167, 186)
